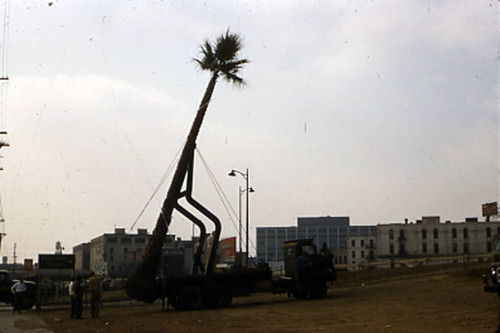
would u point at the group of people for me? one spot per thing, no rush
(76, 294)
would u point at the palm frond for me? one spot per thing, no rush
(227, 46)
(222, 56)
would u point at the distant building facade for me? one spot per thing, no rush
(362, 249)
(334, 231)
(118, 254)
(429, 237)
(109, 253)
(82, 257)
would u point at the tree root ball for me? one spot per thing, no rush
(142, 289)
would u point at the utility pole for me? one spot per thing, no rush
(14, 256)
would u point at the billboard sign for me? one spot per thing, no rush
(28, 264)
(227, 250)
(60, 261)
(490, 209)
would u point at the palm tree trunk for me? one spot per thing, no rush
(141, 285)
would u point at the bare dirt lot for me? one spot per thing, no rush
(450, 299)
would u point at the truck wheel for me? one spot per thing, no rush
(174, 299)
(318, 290)
(219, 296)
(191, 298)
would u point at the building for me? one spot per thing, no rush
(334, 231)
(362, 249)
(118, 254)
(109, 253)
(429, 237)
(82, 257)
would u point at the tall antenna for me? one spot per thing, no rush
(4, 79)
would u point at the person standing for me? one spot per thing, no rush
(95, 286)
(197, 259)
(72, 295)
(18, 291)
(327, 254)
(78, 297)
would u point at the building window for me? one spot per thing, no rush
(424, 248)
(391, 249)
(402, 250)
(371, 243)
(488, 232)
(362, 254)
(354, 254)
(436, 233)
(125, 250)
(454, 233)
(424, 234)
(455, 250)
(466, 233)
(362, 242)
(353, 242)
(466, 248)
(391, 234)
(371, 255)
(436, 248)
(488, 246)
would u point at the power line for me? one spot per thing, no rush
(221, 194)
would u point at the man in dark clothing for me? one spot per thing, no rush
(78, 297)
(18, 291)
(95, 287)
(327, 254)
(197, 259)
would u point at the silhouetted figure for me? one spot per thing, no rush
(327, 254)
(78, 297)
(95, 287)
(303, 269)
(18, 290)
(197, 259)
(72, 296)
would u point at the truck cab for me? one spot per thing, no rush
(491, 281)
(307, 270)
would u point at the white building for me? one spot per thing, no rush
(361, 249)
(109, 252)
(429, 237)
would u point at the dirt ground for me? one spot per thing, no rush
(447, 300)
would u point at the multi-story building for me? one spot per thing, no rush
(109, 252)
(362, 249)
(82, 257)
(333, 231)
(118, 254)
(429, 237)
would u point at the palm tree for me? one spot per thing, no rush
(221, 59)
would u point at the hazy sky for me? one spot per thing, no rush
(379, 110)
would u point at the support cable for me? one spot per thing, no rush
(162, 181)
(221, 194)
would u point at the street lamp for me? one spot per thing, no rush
(246, 190)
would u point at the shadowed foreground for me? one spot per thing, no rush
(445, 301)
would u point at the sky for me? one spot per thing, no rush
(376, 110)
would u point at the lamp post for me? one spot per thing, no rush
(248, 190)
